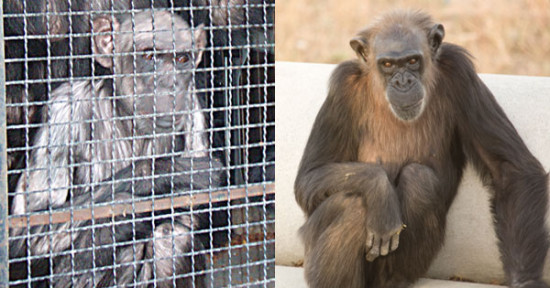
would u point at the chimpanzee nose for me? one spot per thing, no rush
(402, 81)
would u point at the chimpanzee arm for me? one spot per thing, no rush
(173, 236)
(330, 166)
(518, 180)
(330, 161)
(48, 179)
(170, 175)
(196, 143)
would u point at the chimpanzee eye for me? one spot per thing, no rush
(387, 64)
(182, 58)
(413, 61)
(148, 56)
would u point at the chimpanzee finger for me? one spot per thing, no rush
(394, 242)
(374, 252)
(370, 241)
(385, 246)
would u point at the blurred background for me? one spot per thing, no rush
(504, 36)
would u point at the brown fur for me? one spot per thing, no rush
(368, 167)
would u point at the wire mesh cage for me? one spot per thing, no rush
(140, 143)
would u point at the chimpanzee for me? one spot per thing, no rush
(54, 35)
(96, 129)
(386, 154)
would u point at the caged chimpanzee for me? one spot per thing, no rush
(59, 47)
(388, 148)
(86, 153)
(53, 35)
(161, 110)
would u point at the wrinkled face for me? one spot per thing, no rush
(400, 62)
(400, 55)
(154, 66)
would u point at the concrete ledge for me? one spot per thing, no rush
(470, 249)
(293, 277)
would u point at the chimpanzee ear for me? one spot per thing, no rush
(103, 44)
(200, 42)
(359, 45)
(435, 37)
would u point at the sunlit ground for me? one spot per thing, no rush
(505, 37)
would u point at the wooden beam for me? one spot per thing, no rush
(108, 211)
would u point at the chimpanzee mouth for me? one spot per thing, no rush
(405, 107)
(411, 106)
(407, 112)
(406, 89)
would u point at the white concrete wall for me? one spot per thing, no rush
(292, 277)
(470, 249)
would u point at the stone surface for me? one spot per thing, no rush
(470, 249)
(292, 277)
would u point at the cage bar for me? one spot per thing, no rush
(133, 128)
(4, 228)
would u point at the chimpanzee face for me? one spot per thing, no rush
(154, 67)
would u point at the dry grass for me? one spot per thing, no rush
(505, 36)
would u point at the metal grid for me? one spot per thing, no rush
(140, 143)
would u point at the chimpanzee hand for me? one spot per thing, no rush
(383, 223)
